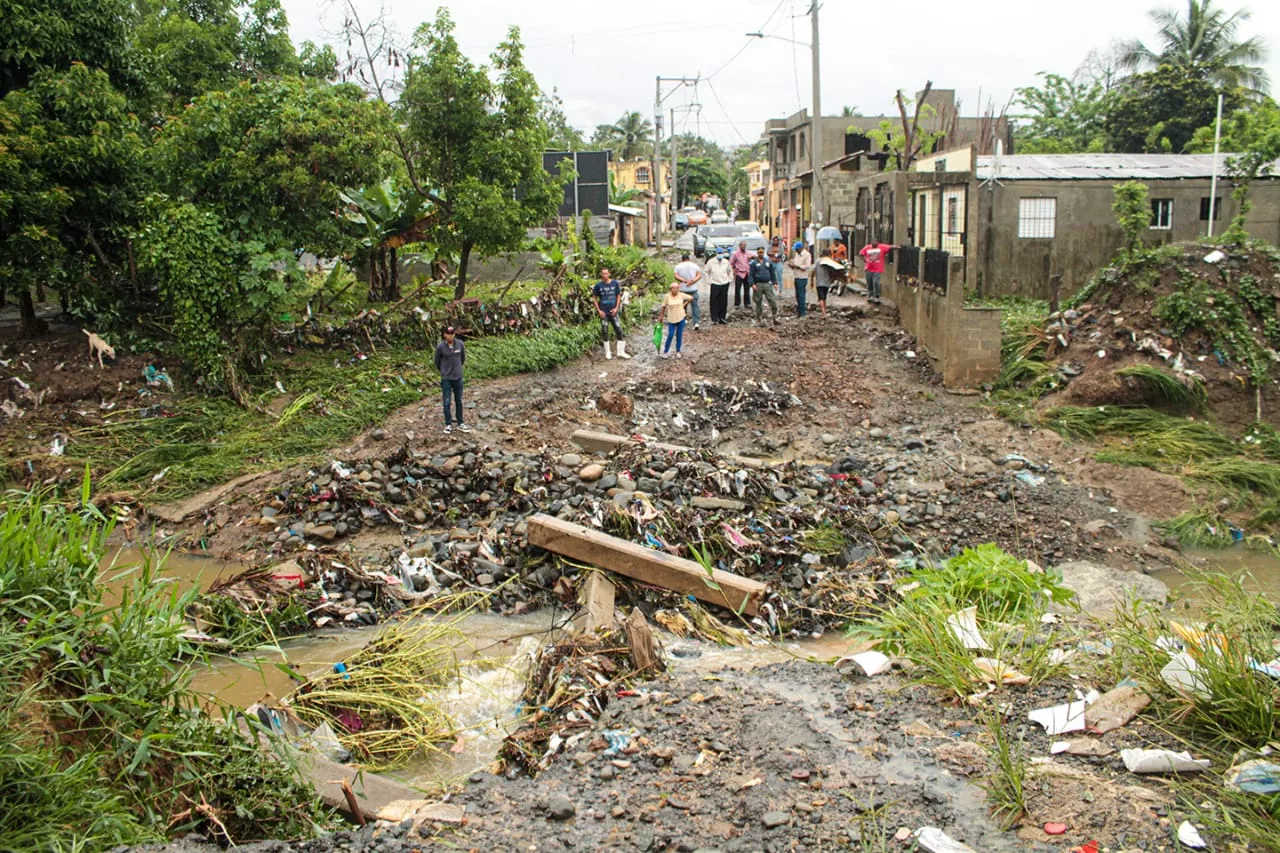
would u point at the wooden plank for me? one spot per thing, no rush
(596, 597)
(604, 442)
(644, 564)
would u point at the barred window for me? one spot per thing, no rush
(1037, 218)
(1161, 214)
(642, 175)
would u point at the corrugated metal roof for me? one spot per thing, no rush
(1101, 167)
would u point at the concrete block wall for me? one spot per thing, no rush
(963, 342)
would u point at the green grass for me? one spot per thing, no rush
(102, 741)
(1199, 528)
(1006, 786)
(1186, 396)
(211, 440)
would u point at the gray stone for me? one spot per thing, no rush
(626, 483)
(608, 481)
(1100, 588)
(649, 485)
(875, 432)
(327, 532)
(828, 438)
(773, 820)
(571, 460)
(560, 807)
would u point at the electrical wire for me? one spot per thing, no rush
(748, 42)
(725, 112)
(795, 62)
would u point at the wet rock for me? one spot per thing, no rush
(914, 444)
(615, 403)
(591, 473)
(571, 460)
(560, 807)
(1100, 588)
(327, 532)
(875, 432)
(378, 434)
(828, 438)
(775, 819)
(649, 485)
(608, 481)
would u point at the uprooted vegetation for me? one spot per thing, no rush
(102, 740)
(1168, 359)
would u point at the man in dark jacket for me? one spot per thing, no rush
(450, 356)
(763, 282)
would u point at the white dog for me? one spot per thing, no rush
(99, 347)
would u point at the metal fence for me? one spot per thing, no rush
(908, 261)
(935, 268)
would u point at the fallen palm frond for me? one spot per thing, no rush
(1187, 395)
(378, 700)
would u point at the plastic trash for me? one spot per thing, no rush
(1030, 479)
(1059, 719)
(1115, 708)
(965, 626)
(1000, 672)
(618, 740)
(871, 663)
(1271, 668)
(936, 841)
(1180, 674)
(58, 445)
(328, 745)
(657, 336)
(1055, 828)
(1162, 761)
(1190, 836)
(156, 377)
(1217, 256)
(1255, 777)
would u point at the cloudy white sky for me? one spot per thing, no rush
(603, 55)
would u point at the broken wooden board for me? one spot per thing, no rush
(597, 598)
(742, 595)
(179, 511)
(373, 793)
(604, 442)
(644, 650)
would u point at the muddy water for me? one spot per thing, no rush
(184, 570)
(1260, 569)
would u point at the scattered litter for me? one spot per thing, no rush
(1217, 256)
(1030, 479)
(1081, 746)
(910, 354)
(163, 473)
(1059, 719)
(156, 377)
(1115, 708)
(618, 740)
(872, 663)
(1271, 668)
(58, 445)
(1190, 836)
(1255, 777)
(936, 841)
(965, 626)
(1000, 672)
(1180, 674)
(1162, 761)
(10, 409)
(1055, 828)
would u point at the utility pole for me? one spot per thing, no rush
(658, 98)
(675, 173)
(817, 200)
(1213, 184)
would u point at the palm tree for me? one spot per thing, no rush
(630, 136)
(1204, 44)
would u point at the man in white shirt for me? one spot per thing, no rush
(720, 276)
(688, 274)
(801, 264)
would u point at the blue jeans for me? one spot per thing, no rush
(694, 311)
(873, 285)
(802, 296)
(451, 389)
(777, 275)
(675, 330)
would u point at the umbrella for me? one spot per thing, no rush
(829, 232)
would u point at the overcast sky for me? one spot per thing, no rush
(603, 55)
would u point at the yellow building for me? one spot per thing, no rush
(638, 175)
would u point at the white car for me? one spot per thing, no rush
(749, 227)
(719, 217)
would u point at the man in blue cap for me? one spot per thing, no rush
(719, 276)
(801, 264)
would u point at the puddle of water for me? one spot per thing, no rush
(1261, 570)
(184, 570)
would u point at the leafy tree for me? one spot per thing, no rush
(629, 137)
(617, 196)
(70, 164)
(1132, 207)
(908, 141)
(692, 145)
(317, 62)
(387, 219)
(1066, 116)
(1252, 133)
(1162, 109)
(700, 175)
(53, 34)
(562, 136)
(189, 48)
(271, 158)
(477, 143)
(1203, 44)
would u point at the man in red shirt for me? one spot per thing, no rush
(873, 256)
(740, 260)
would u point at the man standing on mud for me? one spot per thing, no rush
(607, 294)
(450, 356)
(720, 275)
(740, 260)
(688, 274)
(762, 284)
(873, 255)
(777, 254)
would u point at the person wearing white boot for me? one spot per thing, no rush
(608, 298)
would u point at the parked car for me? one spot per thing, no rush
(700, 239)
(749, 227)
(722, 236)
(681, 221)
(719, 217)
(698, 217)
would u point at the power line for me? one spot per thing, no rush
(795, 63)
(732, 124)
(749, 40)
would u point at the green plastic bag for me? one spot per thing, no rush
(657, 336)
